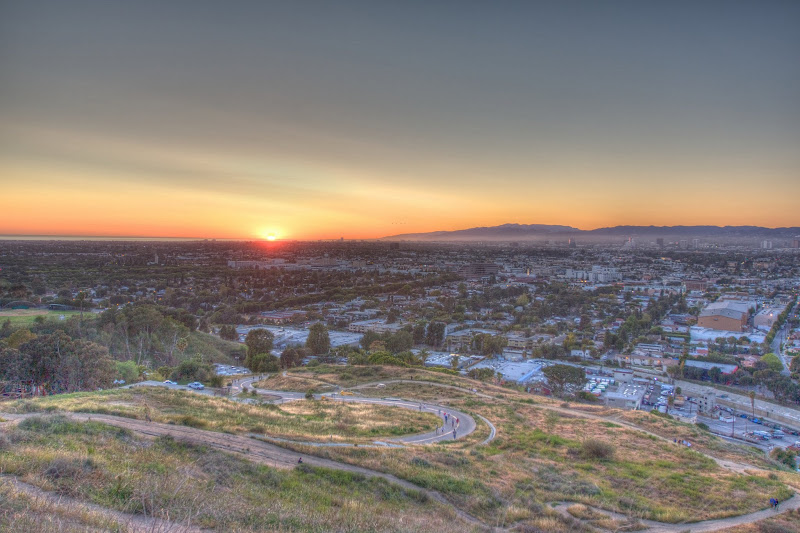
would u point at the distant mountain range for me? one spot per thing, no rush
(526, 232)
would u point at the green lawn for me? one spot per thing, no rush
(25, 317)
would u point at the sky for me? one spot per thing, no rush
(317, 120)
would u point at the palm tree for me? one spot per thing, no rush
(752, 395)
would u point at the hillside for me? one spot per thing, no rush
(524, 232)
(224, 465)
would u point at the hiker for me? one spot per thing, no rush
(772, 502)
(300, 461)
(776, 503)
(454, 434)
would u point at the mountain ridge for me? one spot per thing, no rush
(513, 231)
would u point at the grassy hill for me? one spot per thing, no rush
(544, 453)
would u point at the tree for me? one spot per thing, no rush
(228, 333)
(481, 374)
(258, 341)
(18, 338)
(564, 379)
(263, 362)
(752, 395)
(291, 357)
(435, 334)
(127, 371)
(319, 341)
(59, 364)
(400, 341)
(772, 362)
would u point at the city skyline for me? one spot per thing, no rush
(359, 120)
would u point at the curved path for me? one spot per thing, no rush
(695, 527)
(455, 424)
(252, 449)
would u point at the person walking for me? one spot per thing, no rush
(454, 434)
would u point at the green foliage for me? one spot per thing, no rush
(58, 363)
(228, 333)
(564, 379)
(597, 449)
(482, 374)
(319, 341)
(259, 342)
(192, 370)
(772, 362)
(786, 457)
(263, 362)
(127, 370)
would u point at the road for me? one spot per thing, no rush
(780, 338)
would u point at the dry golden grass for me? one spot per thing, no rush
(25, 512)
(300, 420)
(163, 478)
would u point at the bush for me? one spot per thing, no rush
(597, 449)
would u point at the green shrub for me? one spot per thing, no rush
(597, 449)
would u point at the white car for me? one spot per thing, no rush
(196, 385)
(169, 382)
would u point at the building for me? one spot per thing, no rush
(598, 274)
(726, 315)
(376, 325)
(765, 318)
(627, 396)
(724, 368)
(282, 317)
(478, 270)
(463, 338)
(707, 401)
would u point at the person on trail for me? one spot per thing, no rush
(772, 502)
(299, 461)
(776, 503)
(454, 434)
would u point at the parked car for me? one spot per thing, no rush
(169, 382)
(756, 421)
(196, 385)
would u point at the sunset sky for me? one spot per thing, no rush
(353, 119)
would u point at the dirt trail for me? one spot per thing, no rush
(254, 450)
(697, 527)
(130, 522)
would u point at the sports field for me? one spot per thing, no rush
(22, 317)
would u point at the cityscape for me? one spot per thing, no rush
(393, 267)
